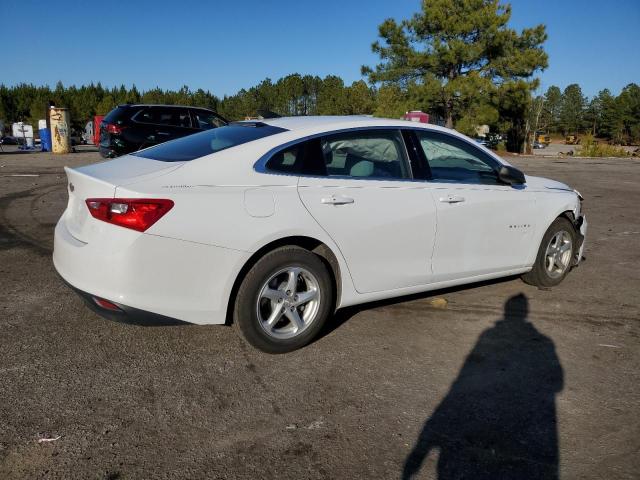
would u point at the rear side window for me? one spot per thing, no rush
(207, 142)
(175, 117)
(207, 120)
(373, 154)
(378, 154)
(116, 116)
(304, 158)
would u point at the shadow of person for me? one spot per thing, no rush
(498, 420)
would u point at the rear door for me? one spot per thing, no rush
(382, 221)
(158, 124)
(144, 127)
(179, 123)
(484, 225)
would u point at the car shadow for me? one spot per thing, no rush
(498, 419)
(345, 314)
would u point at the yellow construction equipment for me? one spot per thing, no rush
(543, 139)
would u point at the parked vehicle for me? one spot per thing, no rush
(491, 140)
(76, 137)
(276, 224)
(542, 139)
(416, 116)
(91, 133)
(87, 134)
(10, 140)
(97, 120)
(128, 128)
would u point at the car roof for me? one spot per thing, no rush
(329, 122)
(300, 127)
(136, 105)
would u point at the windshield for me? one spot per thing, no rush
(210, 141)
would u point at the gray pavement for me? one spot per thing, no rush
(505, 381)
(555, 149)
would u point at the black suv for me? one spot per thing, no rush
(128, 128)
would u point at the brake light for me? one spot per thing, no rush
(135, 213)
(113, 128)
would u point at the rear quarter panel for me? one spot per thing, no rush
(213, 205)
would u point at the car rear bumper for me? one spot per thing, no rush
(124, 313)
(180, 280)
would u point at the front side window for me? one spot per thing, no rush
(454, 160)
(365, 154)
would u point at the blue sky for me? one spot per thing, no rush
(225, 46)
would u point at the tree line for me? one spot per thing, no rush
(457, 60)
(294, 94)
(568, 111)
(615, 118)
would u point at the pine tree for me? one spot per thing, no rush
(465, 56)
(572, 109)
(550, 116)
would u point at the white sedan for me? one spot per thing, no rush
(275, 225)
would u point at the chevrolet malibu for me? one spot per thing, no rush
(275, 225)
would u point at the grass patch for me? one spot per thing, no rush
(592, 148)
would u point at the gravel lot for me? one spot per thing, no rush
(505, 381)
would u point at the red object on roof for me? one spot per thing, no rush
(96, 129)
(416, 116)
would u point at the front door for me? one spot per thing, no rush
(484, 226)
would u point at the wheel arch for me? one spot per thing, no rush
(533, 276)
(308, 243)
(568, 214)
(565, 212)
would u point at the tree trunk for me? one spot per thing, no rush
(525, 140)
(448, 103)
(449, 118)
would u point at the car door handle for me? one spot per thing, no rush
(452, 199)
(337, 200)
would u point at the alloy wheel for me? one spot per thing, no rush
(288, 302)
(558, 254)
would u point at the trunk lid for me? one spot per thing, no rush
(100, 180)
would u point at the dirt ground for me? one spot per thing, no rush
(505, 381)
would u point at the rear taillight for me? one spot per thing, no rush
(106, 304)
(113, 128)
(135, 213)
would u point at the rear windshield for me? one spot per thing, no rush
(210, 141)
(115, 115)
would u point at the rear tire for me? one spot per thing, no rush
(555, 255)
(284, 300)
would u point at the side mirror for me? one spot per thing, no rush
(511, 175)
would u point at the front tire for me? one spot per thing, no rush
(284, 300)
(555, 255)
